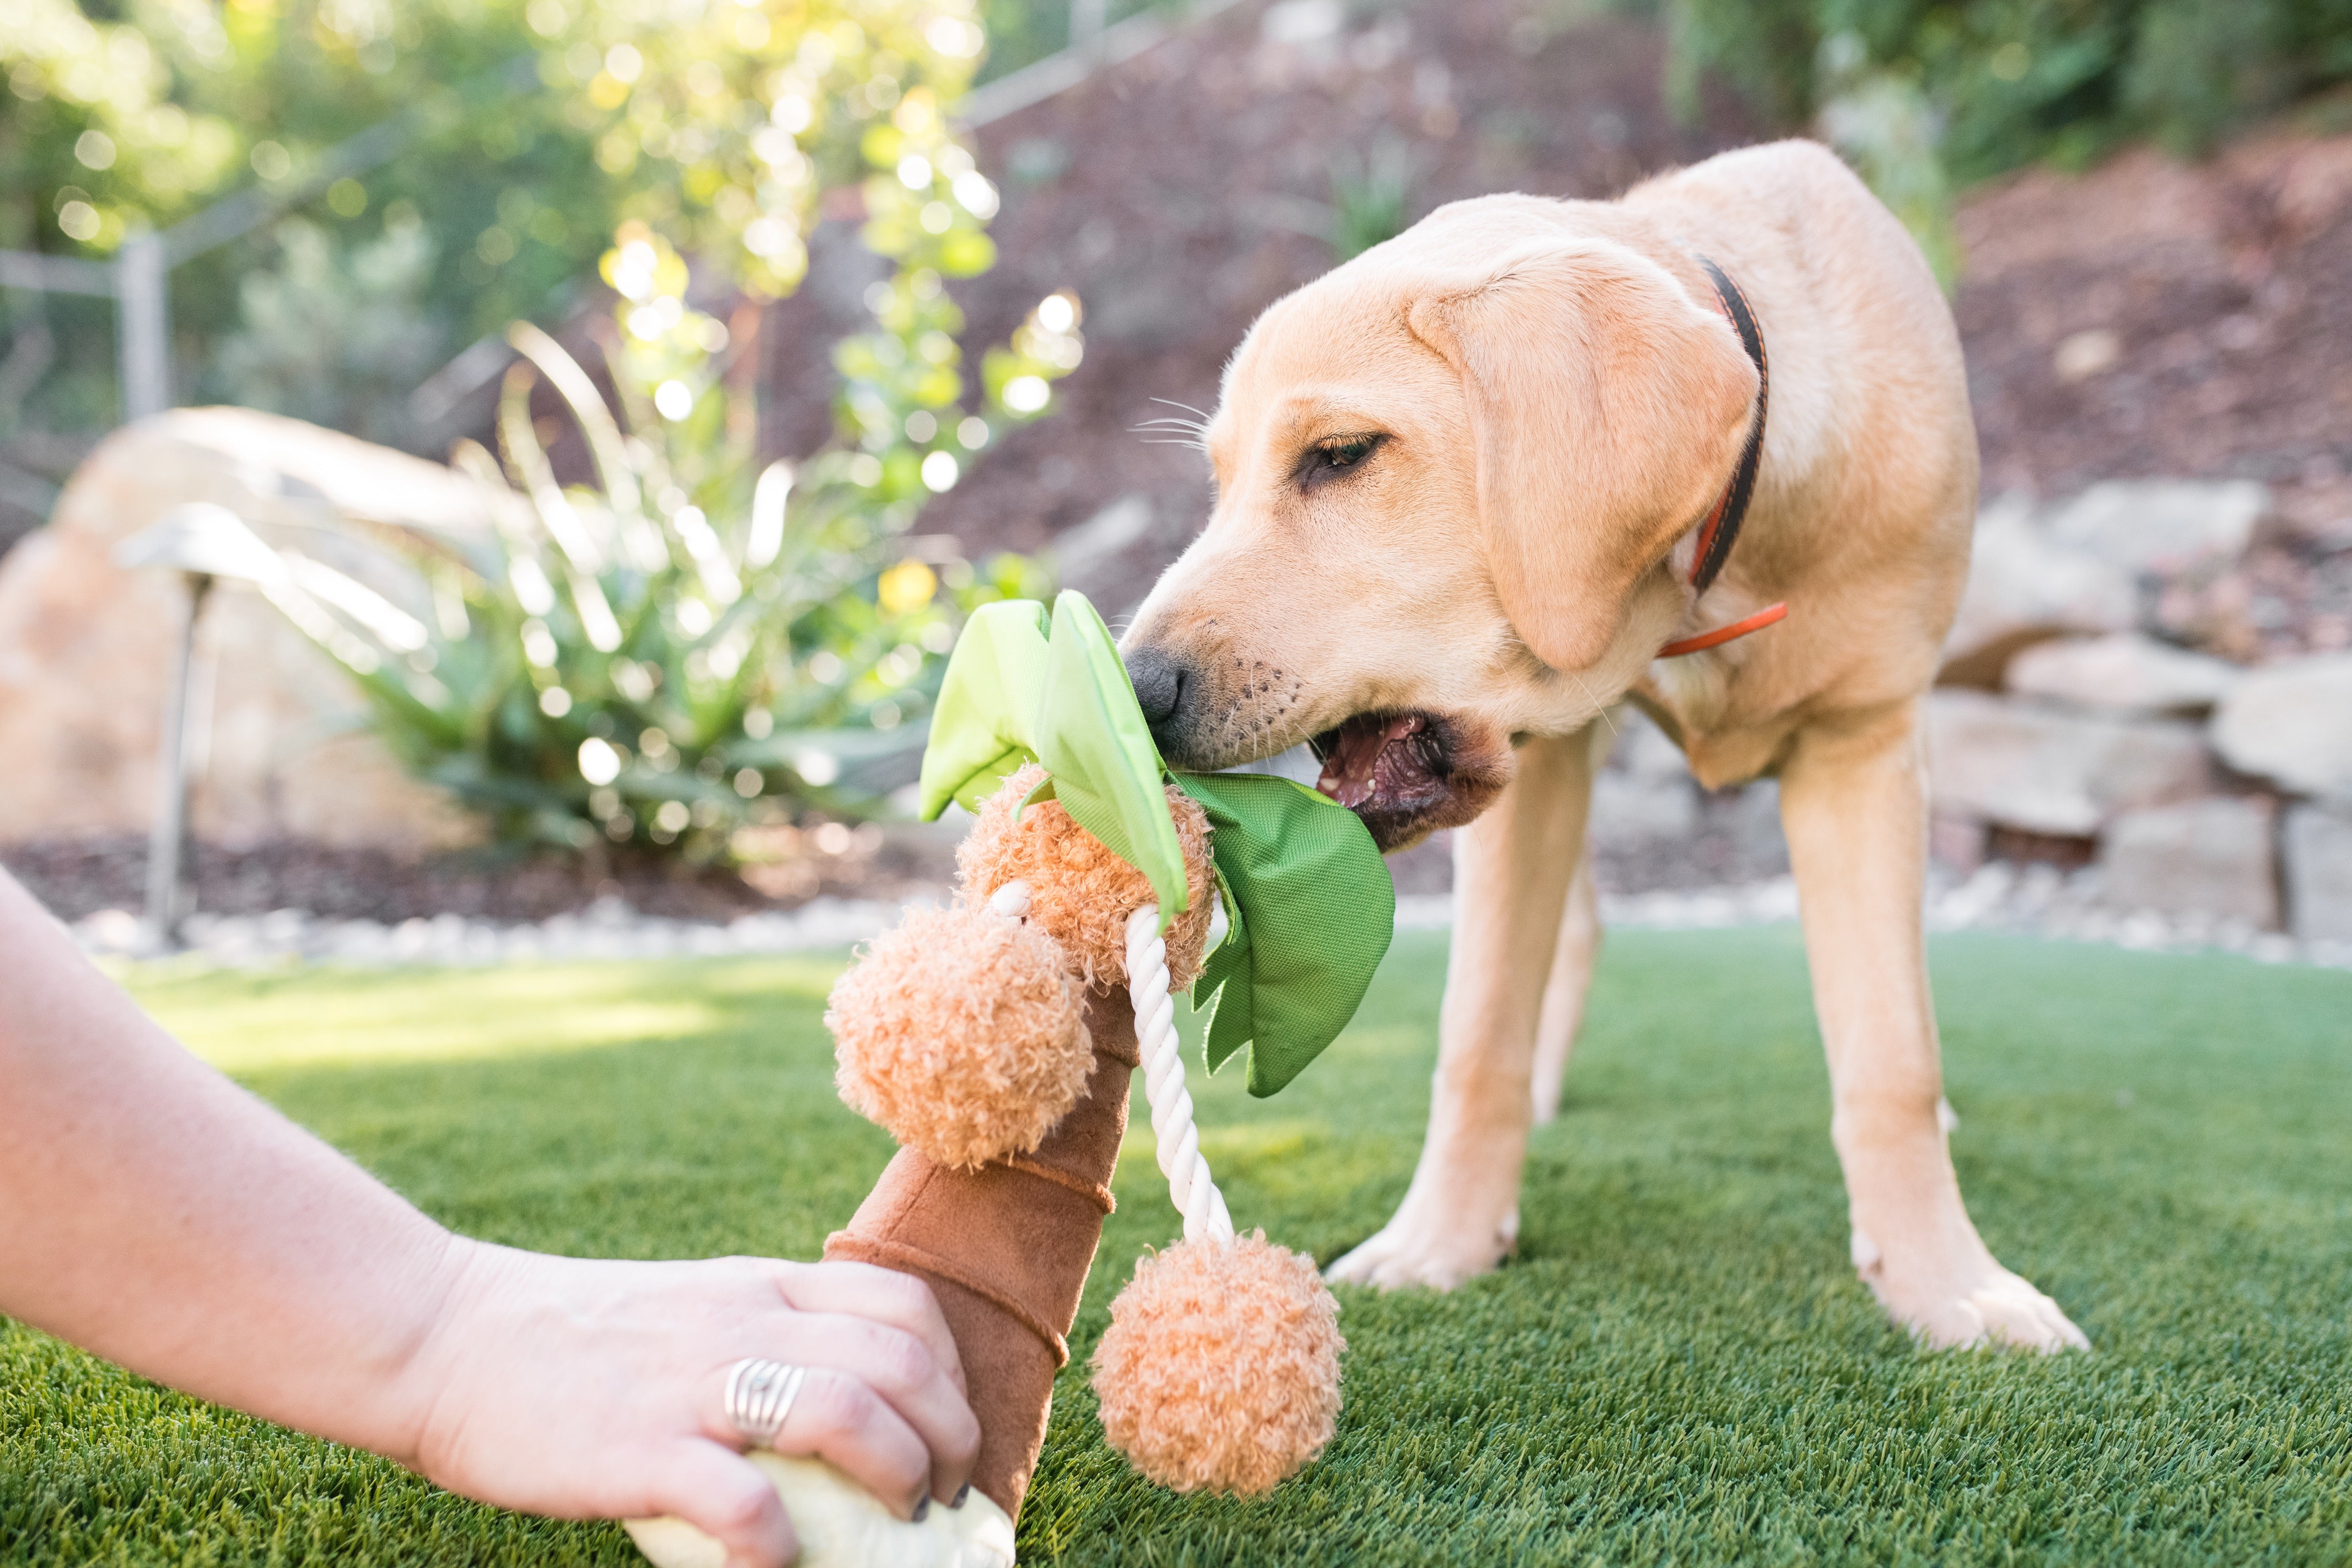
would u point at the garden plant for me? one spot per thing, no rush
(698, 638)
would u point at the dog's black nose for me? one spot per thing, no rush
(1160, 679)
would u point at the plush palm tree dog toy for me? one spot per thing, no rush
(995, 1040)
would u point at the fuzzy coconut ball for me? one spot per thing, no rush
(1221, 1367)
(960, 1033)
(1079, 892)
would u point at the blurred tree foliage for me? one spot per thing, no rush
(539, 125)
(2013, 81)
(339, 334)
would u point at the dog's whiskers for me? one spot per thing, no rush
(1165, 432)
(1598, 706)
(1164, 429)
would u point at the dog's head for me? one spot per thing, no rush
(1448, 478)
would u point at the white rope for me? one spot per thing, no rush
(1189, 1182)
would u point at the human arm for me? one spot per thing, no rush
(158, 1214)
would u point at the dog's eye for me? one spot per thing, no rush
(1328, 459)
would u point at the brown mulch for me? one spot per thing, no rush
(2157, 318)
(1182, 192)
(2226, 290)
(75, 877)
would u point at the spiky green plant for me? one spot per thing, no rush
(695, 641)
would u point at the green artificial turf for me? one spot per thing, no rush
(1678, 1367)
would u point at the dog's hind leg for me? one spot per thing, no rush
(1511, 873)
(1564, 992)
(1854, 800)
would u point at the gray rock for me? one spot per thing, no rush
(1639, 747)
(1629, 810)
(2318, 844)
(1957, 842)
(2047, 770)
(2123, 672)
(2292, 723)
(2024, 587)
(2160, 525)
(2076, 566)
(2209, 856)
(1644, 792)
(85, 644)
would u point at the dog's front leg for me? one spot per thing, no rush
(1511, 872)
(1854, 801)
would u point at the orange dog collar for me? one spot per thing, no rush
(1721, 529)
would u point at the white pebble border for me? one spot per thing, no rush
(2037, 900)
(608, 929)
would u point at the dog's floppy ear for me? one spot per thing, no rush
(1608, 408)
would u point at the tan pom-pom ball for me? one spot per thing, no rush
(1080, 893)
(1220, 1370)
(960, 1033)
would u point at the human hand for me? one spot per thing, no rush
(589, 1389)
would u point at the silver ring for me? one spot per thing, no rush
(759, 1395)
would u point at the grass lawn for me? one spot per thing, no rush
(1679, 1366)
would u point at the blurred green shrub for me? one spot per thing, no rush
(1882, 123)
(696, 642)
(538, 126)
(338, 334)
(1371, 195)
(2013, 82)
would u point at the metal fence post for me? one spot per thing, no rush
(167, 902)
(142, 273)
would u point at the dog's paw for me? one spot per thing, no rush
(1409, 1251)
(1976, 1304)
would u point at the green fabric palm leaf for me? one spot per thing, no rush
(984, 723)
(1316, 909)
(1309, 906)
(1092, 738)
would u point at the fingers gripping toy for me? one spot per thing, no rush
(995, 1040)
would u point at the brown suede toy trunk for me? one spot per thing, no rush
(1006, 1248)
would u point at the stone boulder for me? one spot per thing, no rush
(1627, 810)
(2318, 844)
(1645, 791)
(2160, 525)
(2204, 856)
(2123, 672)
(2291, 722)
(86, 646)
(2039, 572)
(2047, 770)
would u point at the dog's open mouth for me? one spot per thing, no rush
(1409, 774)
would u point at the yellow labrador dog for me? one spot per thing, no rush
(1469, 486)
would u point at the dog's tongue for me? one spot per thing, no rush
(1347, 775)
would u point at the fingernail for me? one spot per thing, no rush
(963, 1496)
(922, 1508)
